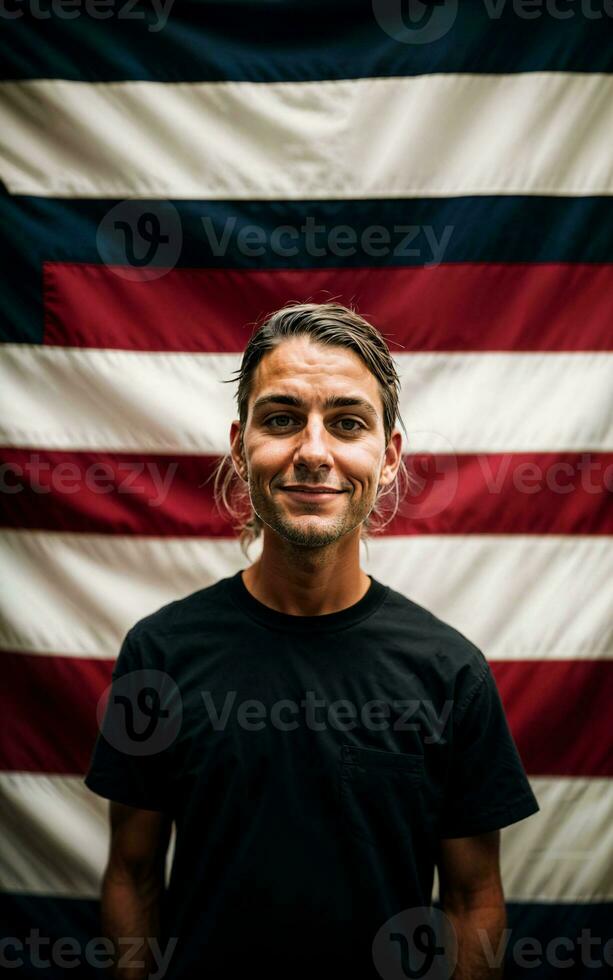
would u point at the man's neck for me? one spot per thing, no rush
(297, 592)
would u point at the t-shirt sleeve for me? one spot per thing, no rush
(487, 786)
(129, 761)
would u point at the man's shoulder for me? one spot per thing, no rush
(187, 613)
(436, 638)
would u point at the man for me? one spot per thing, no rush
(320, 741)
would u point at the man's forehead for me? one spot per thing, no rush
(306, 369)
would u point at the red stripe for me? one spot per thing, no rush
(109, 493)
(123, 493)
(48, 706)
(560, 714)
(455, 307)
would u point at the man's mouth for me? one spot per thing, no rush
(312, 493)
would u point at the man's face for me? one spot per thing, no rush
(339, 447)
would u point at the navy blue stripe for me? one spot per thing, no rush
(46, 920)
(564, 933)
(566, 938)
(569, 932)
(287, 40)
(482, 229)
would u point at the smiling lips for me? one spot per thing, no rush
(312, 491)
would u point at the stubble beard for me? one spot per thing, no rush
(302, 531)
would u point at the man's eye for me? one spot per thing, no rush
(273, 418)
(355, 421)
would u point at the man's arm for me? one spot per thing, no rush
(472, 897)
(132, 886)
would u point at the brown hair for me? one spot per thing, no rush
(324, 323)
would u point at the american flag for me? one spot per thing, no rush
(174, 172)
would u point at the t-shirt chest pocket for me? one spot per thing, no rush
(378, 790)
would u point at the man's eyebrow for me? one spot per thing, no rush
(333, 401)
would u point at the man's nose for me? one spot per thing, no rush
(313, 441)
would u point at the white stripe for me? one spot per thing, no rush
(56, 840)
(515, 596)
(429, 135)
(55, 836)
(73, 398)
(562, 853)
(84, 591)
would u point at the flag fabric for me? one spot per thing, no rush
(171, 174)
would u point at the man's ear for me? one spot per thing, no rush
(236, 450)
(393, 458)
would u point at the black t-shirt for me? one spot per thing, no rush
(311, 764)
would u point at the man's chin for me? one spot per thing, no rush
(310, 530)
